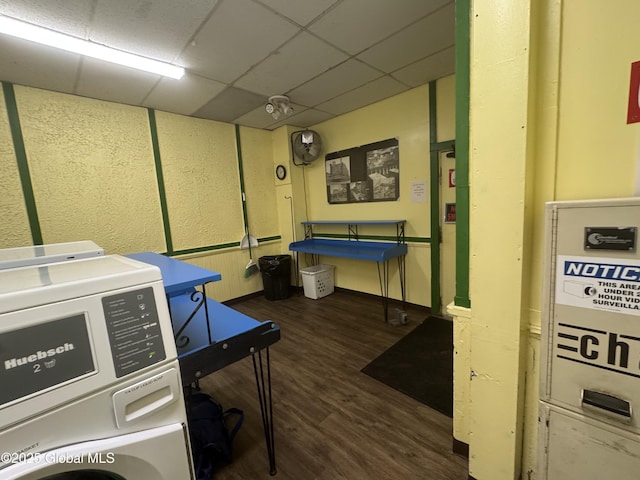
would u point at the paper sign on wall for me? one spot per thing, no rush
(419, 192)
(597, 283)
(633, 112)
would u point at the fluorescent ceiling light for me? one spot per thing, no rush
(19, 29)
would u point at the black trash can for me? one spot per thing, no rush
(276, 276)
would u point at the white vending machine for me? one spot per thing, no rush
(590, 347)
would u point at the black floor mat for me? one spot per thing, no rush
(420, 365)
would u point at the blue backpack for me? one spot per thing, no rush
(211, 441)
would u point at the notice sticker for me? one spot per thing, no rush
(610, 284)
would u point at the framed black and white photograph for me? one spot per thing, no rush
(338, 170)
(370, 172)
(360, 191)
(384, 187)
(383, 170)
(338, 192)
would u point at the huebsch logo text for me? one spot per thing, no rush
(39, 355)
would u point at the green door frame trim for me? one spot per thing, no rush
(463, 82)
(23, 164)
(462, 69)
(435, 148)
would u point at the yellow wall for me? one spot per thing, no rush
(290, 195)
(597, 151)
(94, 177)
(549, 90)
(498, 146)
(446, 108)
(93, 172)
(200, 169)
(406, 117)
(14, 228)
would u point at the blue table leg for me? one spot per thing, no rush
(383, 277)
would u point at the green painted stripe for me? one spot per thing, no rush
(463, 82)
(441, 146)
(220, 246)
(23, 164)
(153, 128)
(435, 201)
(208, 248)
(269, 239)
(385, 238)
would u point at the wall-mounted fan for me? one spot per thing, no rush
(306, 145)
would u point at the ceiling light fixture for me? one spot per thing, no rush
(278, 105)
(27, 31)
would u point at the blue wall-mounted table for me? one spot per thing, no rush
(353, 247)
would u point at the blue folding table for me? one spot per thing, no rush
(354, 247)
(209, 336)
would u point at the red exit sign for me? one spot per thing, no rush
(633, 112)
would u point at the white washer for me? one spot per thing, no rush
(90, 380)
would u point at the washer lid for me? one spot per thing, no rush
(52, 253)
(42, 284)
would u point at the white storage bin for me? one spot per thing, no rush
(317, 281)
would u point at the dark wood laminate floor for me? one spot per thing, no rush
(332, 421)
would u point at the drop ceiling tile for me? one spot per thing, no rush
(107, 81)
(423, 38)
(431, 68)
(238, 35)
(304, 119)
(256, 118)
(157, 29)
(258, 39)
(183, 96)
(230, 104)
(33, 65)
(338, 80)
(259, 118)
(68, 16)
(296, 62)
(300, 12)
(354, 25)
(375, 91)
